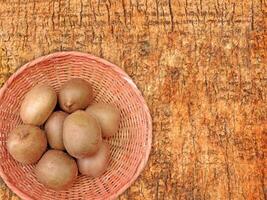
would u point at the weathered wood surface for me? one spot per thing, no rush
(201, 66)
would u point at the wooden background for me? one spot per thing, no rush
(201, 66)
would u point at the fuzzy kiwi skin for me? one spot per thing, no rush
(54, 130)
(81, 134)
(26, 143)
(75, 94)
(56, 170)
(108, 117)
(96, 164)
(38, 104)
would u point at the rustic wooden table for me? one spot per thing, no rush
(201, 66)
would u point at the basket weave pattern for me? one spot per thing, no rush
(130, 147)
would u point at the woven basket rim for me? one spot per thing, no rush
(118, 70)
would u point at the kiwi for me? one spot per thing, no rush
(54, 130)
(81, 134)
(26, 143)
(75, 94)
(38, 104)
(56, 170)
(108, 117)
(96, 164)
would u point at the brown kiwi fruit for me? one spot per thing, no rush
(56, 170)
(38, 104)
(26, 143)
(96, 164)
(75, 94)
(108, 117)
(81, 134)
(54, 130)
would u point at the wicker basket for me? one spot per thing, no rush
(130, 147)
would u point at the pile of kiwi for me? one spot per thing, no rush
(63, 142)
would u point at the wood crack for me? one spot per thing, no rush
(171, 14)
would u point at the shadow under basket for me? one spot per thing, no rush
(130, 146)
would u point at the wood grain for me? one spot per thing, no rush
(201, 66)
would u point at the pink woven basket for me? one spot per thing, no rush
(130, 147)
